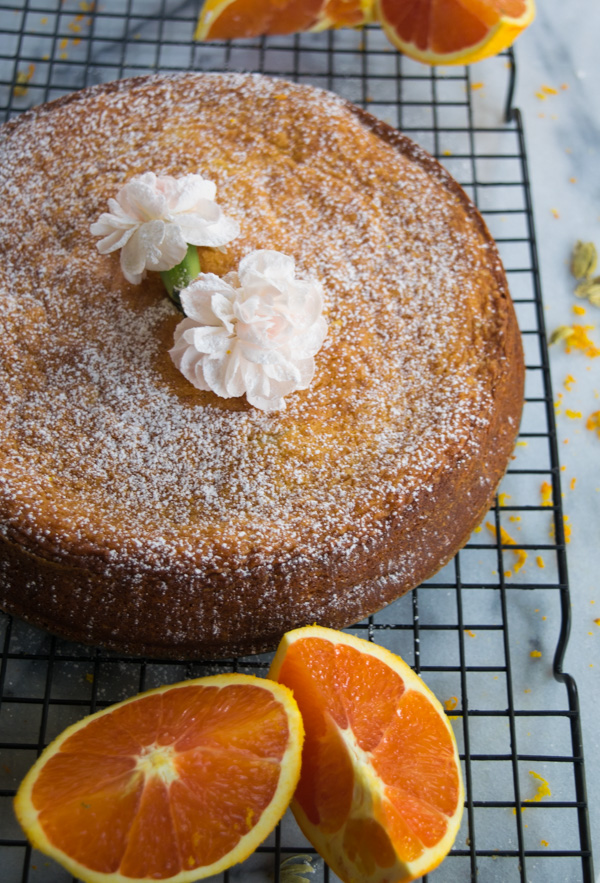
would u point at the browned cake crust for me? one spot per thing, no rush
(140, 514)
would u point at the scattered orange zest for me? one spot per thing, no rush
(579, 340)
(543, 789)
(23, 79)
(507, 540)
(593, 422)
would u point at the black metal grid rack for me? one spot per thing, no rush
(483, 631)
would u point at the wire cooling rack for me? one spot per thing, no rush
(484, 631)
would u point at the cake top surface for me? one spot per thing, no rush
(106, 447)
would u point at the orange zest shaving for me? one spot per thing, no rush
(579, 340)
(543, 789)
(546, 490)
(507, 540)
(535, 654)
(593, 422)
(22, 81)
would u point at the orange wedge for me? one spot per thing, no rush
(230, 19)
(380, 794)
(176, 784)
(453, 31)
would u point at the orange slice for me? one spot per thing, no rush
(229, 19)
(175, 784)
(453, 31)
(380, 794)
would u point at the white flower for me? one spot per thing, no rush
(153, 220)
(254, 332)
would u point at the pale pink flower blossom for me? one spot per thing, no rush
(253, 333)
(154, 219)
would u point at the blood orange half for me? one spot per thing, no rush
(453, 31)
(176, 784)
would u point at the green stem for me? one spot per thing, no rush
(176, 279)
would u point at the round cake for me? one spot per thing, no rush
(141, 514)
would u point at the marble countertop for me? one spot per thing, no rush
(562, 131)
(558, 62)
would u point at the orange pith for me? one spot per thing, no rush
(453, 31)
(380, 793)
(177, 784)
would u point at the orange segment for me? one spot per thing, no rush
(453, 31)
(380, 793)
(177, 784)
(229, 19)
(345, 14)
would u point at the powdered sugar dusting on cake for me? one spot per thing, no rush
(174, 477)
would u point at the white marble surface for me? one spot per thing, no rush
(561, 51)
(563, 144)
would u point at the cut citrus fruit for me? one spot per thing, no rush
(229, 19)
(344, 14)
(453, 31)
(175, 784)
(380, 794)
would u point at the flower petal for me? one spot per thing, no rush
(167, 253)
(256, 332)
(115, 240)
(212, 233)
(186, 192)
(196, 299)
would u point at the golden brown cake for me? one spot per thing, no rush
(143, 515)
